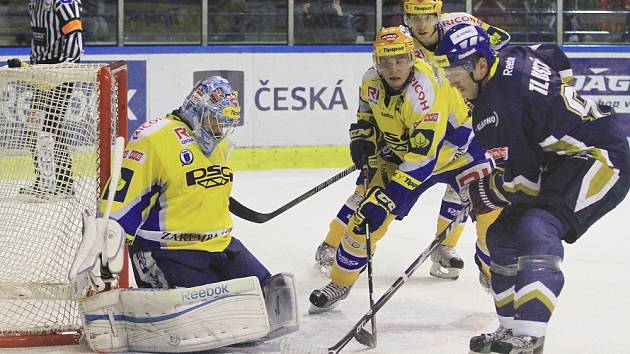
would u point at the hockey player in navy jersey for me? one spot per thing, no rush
(564, 162)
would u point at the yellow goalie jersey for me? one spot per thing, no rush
(499, 38)
(171, 195)
(428, 125)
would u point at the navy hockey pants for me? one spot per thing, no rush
(182, 268)
(525, 242)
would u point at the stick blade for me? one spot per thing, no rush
(366, 338)
(245, 213)
(293, 346)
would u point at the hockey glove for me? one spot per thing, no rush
(16, 63)
(373, 210)
(484, 194)
(363, 142)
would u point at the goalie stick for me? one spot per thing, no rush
(292, 346)
(116, 164)
(244, 212)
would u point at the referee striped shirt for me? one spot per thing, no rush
(57, 31)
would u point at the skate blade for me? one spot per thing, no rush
(444, 273)
(313, 310)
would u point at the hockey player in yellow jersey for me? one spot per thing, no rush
(426, 23)
(173, 200)
(426, 131)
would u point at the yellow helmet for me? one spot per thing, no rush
(423, 7)
(393, 41)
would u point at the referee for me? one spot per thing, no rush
(57, 38)
(57, 31)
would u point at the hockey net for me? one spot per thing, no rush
(57, 126)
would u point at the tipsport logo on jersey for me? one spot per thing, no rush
(604, 80)
(234, 77)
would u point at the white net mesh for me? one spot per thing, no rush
(49, 173)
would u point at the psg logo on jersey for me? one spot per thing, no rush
(186, 157)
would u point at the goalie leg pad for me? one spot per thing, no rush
(281, 303)
(176, 320)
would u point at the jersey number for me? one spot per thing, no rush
(585, 108)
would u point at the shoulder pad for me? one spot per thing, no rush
(149, 128)
(370, 74)
(455, 18)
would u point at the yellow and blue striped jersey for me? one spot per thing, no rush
(427, 125)
(171, 195)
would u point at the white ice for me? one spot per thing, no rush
(426, 315)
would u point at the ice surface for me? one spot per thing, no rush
(427, 315)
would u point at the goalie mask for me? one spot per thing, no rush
(212, 110)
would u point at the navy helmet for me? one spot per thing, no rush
(462, 44)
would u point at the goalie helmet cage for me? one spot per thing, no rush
(57, 122)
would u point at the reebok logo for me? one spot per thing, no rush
(207, 292)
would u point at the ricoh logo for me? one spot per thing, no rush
(450, 21)
(206, 293)
(269, 97)
(606, 87)
(421, 95)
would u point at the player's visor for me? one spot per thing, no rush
(459, 70)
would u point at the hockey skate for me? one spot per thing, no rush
(324, 258)
(327, 298)
(446, 263)
(519, 345)
(483, 342)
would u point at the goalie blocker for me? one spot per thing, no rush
(172, 320)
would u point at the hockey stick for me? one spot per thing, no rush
(362, 336)
(117, 157)
(244, 212)
(292, 346)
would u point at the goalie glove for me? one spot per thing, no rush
(484, 194)
(363, 142)
(100, 256)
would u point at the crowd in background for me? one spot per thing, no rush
(318, 21)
